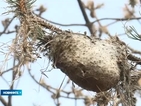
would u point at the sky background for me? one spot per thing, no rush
(64, 12)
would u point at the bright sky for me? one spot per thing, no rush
(64, 12)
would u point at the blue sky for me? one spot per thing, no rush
(65, 12)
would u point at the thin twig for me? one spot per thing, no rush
(88, 23)
(14, 72)
(134, 51)
(102, 19)
(66, 25)
(3, 72)
(3, 101)
(5, 28)
(117, 19)
(134, 59)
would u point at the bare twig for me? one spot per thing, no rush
(5, 28)
(66, 25)
(135, 51)
(102, 19)
(3, 72)
(117, 19)
(88, 23)
(3, 101)
(6, 71)
(14, 73)
(134, 59)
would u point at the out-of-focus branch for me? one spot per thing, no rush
(134, 59)
(88, 23)
(135, 51)
(14, 73)
(5, 28)
(3, 72)
(3, 101)
(117, 19)
(102, 19)
(65, 24)
(56, 92)
(47, 87)
(55, 96)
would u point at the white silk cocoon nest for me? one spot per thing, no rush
(90, 63)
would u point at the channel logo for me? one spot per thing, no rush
(11, 92)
